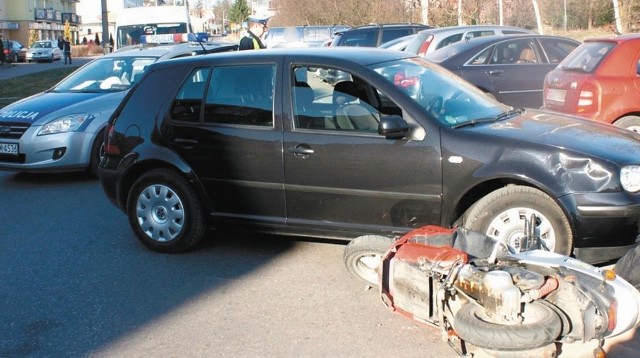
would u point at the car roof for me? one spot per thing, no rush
(463, 46)
(436, 30)
(173, 50)
(616, 38)
(360, 55)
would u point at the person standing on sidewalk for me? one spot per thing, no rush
(66, 50)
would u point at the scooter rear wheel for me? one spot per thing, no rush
(363, 255)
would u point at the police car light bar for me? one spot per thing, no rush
(173, 38)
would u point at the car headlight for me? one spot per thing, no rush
(630, 178)
(68, 123)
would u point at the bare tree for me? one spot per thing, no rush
(536, 10)
(616, 14)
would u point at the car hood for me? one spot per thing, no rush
(565, 133)
(42, 107)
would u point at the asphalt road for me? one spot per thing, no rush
(74, 282)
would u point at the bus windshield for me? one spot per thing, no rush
(151, 17)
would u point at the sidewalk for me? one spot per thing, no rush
(10, 70)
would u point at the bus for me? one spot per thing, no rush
(141, 19)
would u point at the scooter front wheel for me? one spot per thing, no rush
(363, 256)
(540, 327)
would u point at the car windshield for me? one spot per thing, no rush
(443, 95)
(107, 74)
(587, 56)
(42, 44)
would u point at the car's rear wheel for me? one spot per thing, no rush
(502, 214)
(165, 212)
(631, 123)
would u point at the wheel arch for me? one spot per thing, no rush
(138, 168)
(478, 191)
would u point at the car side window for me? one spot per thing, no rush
(390, 34)
(449, 40)
(335, 100)
(557, 49)
(241, 95)
(473, 34)
(188, 102)
(512, 52)
(363, 37)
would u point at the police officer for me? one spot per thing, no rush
(257, 28)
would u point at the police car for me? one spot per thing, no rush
(60, 129)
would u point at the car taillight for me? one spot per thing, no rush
(110, 148)
(425, 45)
(403, 81)
(588, 99)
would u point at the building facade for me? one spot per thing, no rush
(22, 20)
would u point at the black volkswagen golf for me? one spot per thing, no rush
(254, 140)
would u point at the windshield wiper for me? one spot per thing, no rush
(500, 117)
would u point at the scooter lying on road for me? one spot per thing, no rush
(478, 291)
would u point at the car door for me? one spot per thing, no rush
(226, 130)
(340, 175)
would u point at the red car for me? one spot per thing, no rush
(599, 80)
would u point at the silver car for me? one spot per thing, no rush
(61, 129)
(44, 50)
(429, 40)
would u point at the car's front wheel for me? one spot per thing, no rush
(165, 212)
(502, 214)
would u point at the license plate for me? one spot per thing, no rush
(8, 148)
(556, 95)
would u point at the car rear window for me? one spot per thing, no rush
(587, 56)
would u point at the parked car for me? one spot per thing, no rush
(248, 140)
(301, 36)
(511, 68)
(599, 81)
(13, 51)
(44, 50)
(375, 35)
(427, 41)
(61, 129)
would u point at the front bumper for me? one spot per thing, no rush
(605, 225)
(49, 153)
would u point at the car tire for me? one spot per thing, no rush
(631, 123)
(501, 214)
(14, 58)
(165, 212)
(363, 255)
(96, 155)
(53, 58)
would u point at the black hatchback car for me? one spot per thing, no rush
(510, 67)
(254, 141)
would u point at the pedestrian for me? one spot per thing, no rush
(66, 49)
(60, 44)
(257, 28)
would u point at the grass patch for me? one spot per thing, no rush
(16, 88)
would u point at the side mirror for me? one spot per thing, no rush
(393, 127)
